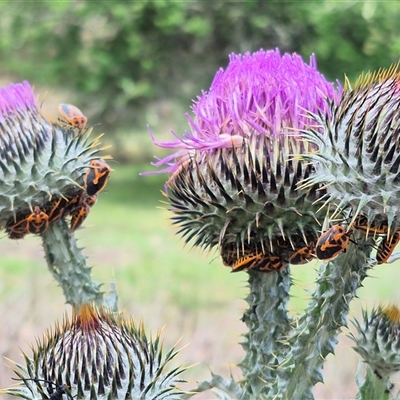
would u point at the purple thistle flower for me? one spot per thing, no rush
(18, 110)
(262, 93)
(16, 97)
(235, 173)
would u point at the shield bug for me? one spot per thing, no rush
(332, 242)
(259, 262)
(230, 253)
(17, 229)
(55, 208)
(73, 202)
(386, 247)
(12, 234)
(91, 200)
(73, 116)
(79, 215)
(297, 249)
(96, 177)
(38, 221)
(303, 254)
(380, 228)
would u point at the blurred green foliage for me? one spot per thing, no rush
(122, 55)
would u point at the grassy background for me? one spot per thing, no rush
(128, 238)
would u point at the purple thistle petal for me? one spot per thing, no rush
(16, 97)
(262, 93)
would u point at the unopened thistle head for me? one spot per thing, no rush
(97, 355)
(234, 175)
(377, 339)
(43, 164)
(358, 157)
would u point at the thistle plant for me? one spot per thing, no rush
(51, 176)
(279, 166)
(43, 166)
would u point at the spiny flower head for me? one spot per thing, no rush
(358, 157)
(44, 165)
(97, 355)
(234, 178)
(378, 339)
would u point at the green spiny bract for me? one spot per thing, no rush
(358, 157)
(378, 339)
(98, 355)
(39, 160)
(244, 198)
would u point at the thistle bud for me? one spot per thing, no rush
(97, 355)
(358, 155)
(378, 339)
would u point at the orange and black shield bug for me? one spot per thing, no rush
(283, 244)
(259, 262)
(303, 254)
(297, 248)
(91, 200)
(332, 242)
(73, 203)
(78, 216)
(55, 208)
(73, 115)
(96, 177)
(16, 235)
(38, 221)
(386, 247)
(19, 228)
(230, 253)
(380, 228)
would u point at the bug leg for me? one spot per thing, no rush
(394, 257)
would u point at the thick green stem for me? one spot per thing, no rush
(68, 265)
(374, 387)
(316, 332)
(268, 325)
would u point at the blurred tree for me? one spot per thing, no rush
(121, 55)
(349, 37)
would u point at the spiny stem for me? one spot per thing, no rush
(374, 387)
(268, 325)
(316, 333)
(67, 264)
